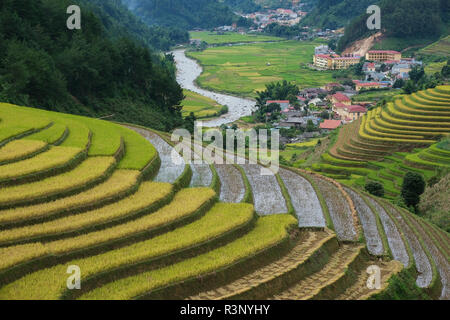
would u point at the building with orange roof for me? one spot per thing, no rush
(330, 124)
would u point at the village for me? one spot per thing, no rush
(318, 111)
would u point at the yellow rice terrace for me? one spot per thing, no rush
(105, 199)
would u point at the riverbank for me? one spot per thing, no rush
(188, 70)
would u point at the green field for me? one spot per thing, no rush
(243, 70)
(408, 45)
(434, 67)
(201, 106)
(376, 95)
(229, 37)
(438, 48)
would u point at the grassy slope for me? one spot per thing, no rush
(243, 70)
(438, 48)
(435, 202)
(400, 44)
(434, 67)
(202, 107)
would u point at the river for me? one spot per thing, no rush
(188, 70)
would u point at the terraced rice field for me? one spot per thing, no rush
(369, 224)
(390, 141)
(232, 185)
(111, 201)
(339, 209)
(304, 200)
(267, 194)
(172, 164)
(394, 238)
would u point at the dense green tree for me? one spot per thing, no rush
(399, 83)
(410, 87)
(446, 70)
(324, 115)
(375, 188)
(413, 187)
(87, 71)
(334, 14)
(417, 73)
(403, 19)
(245, 6)
(310, 127)
(184, 14)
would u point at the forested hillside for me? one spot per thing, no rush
(403, 19)
(44, 64)
(334, 14)
(120, 22)
(183, 14)
(245, 6)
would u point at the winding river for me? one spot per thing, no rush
(188, 70)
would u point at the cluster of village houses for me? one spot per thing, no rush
(338, 105)
(280, 16)
(382, 68)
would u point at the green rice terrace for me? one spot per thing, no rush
(389, 141)
(109, 198)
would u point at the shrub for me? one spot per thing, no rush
(413, 187)
(375, 188)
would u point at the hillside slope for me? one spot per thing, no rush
(141, 227)
(183, 14)
(404, 19)
(120, 22)
(88, 71)
(334, 14)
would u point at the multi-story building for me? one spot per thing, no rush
(383, 55)
(359, 85)
(344, 62)
(349, 113)
(334, 61)
(340, 98)
(322, 61)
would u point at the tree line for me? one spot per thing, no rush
(88, 71)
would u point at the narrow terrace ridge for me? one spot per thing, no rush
(304, 200)
(309, 243)
(309, 287)
(172, 164)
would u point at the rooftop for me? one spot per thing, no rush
(356, 108)
(341, 97)
(330, 124)
(277, 101)
(384, 51)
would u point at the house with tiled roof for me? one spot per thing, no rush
(330, 124)
(349, 112)
(359, 85)
(339, 97)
